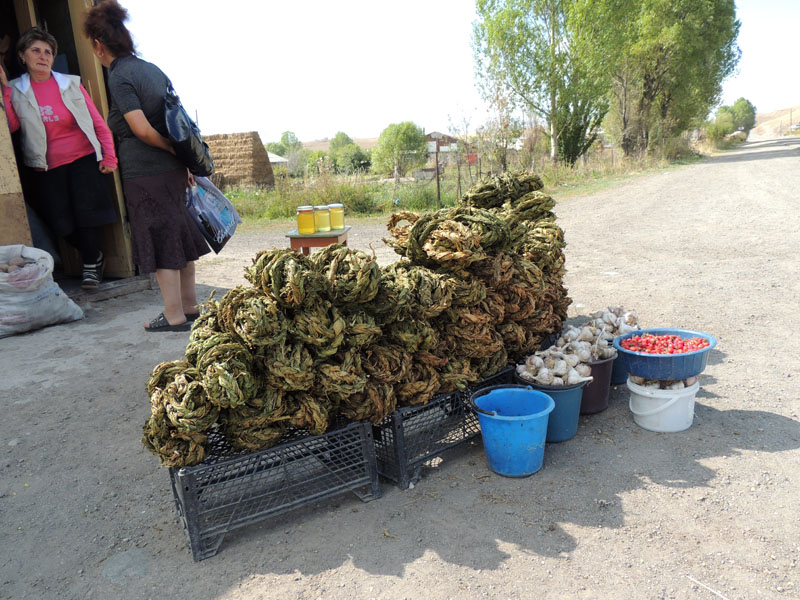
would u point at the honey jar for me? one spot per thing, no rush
(322, 218)
(337, 215)
(305, 220)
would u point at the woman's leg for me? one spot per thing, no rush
(188, 290)
(87, 242)
(169, 282)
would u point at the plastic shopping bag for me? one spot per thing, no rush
(213, 213)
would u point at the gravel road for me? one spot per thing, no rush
(616, 512)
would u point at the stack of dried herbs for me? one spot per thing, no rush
(313, 338)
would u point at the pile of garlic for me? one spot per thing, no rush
(566, 362)
(663, 384)
(616, 321)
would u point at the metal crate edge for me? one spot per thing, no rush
(413, 435)
(223, 494)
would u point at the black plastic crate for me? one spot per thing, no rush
(413, 435)
(233, 489)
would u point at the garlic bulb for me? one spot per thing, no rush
(560, 368)
(544, 376)
(586, 334)
(678, 385)
(690, 381)
(637, 380)
(534, 362)
(583, 370)
(572, 360)
(557, 381)
(574, 377)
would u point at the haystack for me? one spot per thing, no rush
(240, 159)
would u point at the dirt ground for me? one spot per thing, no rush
(616, 512)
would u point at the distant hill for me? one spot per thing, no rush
(364, 143)
(776, 123)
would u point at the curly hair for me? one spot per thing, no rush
(105, 23)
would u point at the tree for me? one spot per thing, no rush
(537, 49)
(340, 140)
(744, 115)
(276, 148)
(725, 121)
(669, 59)
(346, 155)
(401, 147)
(496, 137)
(291, 143)
(350, 158)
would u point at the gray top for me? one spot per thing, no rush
(135, 84)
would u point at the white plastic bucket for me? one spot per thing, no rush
(662, 410)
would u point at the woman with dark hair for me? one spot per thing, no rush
(165, 239)
(67, 144)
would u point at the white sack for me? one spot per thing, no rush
(29, 298)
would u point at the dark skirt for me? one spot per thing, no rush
(74, 195)
(163, 233)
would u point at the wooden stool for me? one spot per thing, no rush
(306, 241)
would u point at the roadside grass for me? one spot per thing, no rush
(365, 196)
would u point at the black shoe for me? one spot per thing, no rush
(93, 274)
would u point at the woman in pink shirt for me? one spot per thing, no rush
(67, 144)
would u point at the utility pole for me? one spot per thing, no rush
(438, 191)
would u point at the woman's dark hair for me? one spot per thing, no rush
(34, 34)
(106, 24)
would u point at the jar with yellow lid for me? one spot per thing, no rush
(337, 215)
(322, 218)
(305, 220)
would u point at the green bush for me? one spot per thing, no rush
(360, 199)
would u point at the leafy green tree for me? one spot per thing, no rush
(291, 143)
(538, 49)
(311, 161)
(340, 140)
(669, 60)
(400, 147)
(276, 148)
(725, 121)
(744, 114)
(351, 158)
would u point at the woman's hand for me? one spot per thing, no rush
(190, 178)
(3, 77)
(105, 169)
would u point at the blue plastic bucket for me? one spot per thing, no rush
(619, 373)
(563, 422)
(513, 421)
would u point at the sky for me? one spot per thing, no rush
(317, 67)
(767, 71)
(314, 67)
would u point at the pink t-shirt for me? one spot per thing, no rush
(66, 142)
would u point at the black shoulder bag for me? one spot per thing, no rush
(190, 148)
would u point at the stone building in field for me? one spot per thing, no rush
(240, 159)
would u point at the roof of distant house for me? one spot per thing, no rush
(275, 159)
(441, 137)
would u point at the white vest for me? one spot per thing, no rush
(34, 136)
